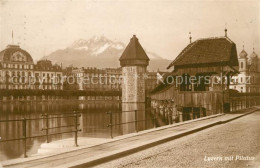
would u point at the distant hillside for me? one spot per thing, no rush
(99, 52)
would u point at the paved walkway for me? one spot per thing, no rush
(235, 144)
(67, 145)
(124, 145)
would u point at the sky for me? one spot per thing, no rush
(43, 26)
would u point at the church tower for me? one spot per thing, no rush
(254, 73)
(134, 62)
(243, 61)
(243, 71)
(254, 62)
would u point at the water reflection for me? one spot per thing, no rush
(93, 122)
(134, 118)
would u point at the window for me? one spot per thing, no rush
(242, 65)
(132, 69)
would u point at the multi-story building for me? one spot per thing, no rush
(248, 79)
(18, 71)
(48, 76)
(14, 63)
(97, 79)
(105, 79)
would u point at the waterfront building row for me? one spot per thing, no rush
(18, 71)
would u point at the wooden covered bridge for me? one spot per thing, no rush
(199, 81)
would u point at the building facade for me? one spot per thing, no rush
(48, 76)
(18, 71)
(248, 78)
(108, 79)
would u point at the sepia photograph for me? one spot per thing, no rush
(129, 83)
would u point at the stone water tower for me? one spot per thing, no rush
(133, 62)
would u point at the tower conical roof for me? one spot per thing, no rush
(134, 54)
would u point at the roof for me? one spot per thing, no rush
(6, 54)
(46, 65)
(208, 50)
(243, 54)
(134, 51)
(253, 55)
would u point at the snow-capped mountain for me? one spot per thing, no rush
(96, 45)
(99, 52)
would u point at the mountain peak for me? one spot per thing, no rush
(99, 38)
(96, 45)
(78, 43)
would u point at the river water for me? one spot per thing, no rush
(93, 122)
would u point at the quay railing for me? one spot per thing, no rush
(243, 102)
(160, 116)
(112, 124)
(47, 118)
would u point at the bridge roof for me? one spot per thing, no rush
(208, 50)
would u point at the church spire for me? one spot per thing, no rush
(243, 53)
(225, 32)
(12, 37)
(190, 36)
